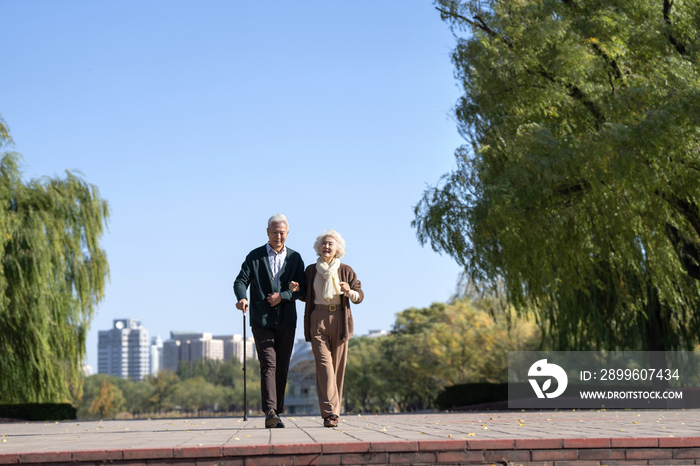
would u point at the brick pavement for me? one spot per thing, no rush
(555, 438)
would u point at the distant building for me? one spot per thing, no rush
(156, 358)
(301, 396)
(189, 347)
(124, 351)
(233, 347)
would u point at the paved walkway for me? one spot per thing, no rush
(661, 434)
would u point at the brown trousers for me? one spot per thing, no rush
(331, 355)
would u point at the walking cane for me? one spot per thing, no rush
(245, 400)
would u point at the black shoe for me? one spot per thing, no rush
(271, 419)
(331, 421)
(280, 425)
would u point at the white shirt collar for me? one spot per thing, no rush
(272, 251)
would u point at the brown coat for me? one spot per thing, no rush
(345, 274)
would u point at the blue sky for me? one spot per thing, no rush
(199, 120)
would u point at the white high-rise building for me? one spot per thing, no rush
(123, 351)
(233, 347)
(156, 355)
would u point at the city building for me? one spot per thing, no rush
(124, 351)
(301, 396)
(189, 347)
(233, 347)
(377, 333)
(156, 358)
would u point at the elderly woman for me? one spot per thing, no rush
(331, 286)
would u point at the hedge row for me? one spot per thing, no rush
(38, 411)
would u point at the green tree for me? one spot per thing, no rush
(430, 348)
(366, 389)
(164, 385)
(445, 344)
(227, 374)
(137, 396)
(196, 394)
(52, 275)
(579, 184)
(102, 398)
(414, 373)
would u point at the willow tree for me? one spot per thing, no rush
(52, 274)
(579, 183)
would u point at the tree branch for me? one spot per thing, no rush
(689, 210)
(576, 93)
(480, 25)
(571, 89)
(575, 188)
(610, 61)
(671, 36)
(688, 252)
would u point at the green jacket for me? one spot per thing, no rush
(256, 272)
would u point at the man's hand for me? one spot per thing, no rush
(293, 286)
(345, 288)
(242, 305)
(274, 299)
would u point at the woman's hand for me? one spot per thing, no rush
(293, 286)
(345, 288)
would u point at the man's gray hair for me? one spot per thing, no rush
(340, 242)
(277, 218)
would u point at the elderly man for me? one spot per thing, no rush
(269, 270)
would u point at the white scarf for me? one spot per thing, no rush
(329, 272)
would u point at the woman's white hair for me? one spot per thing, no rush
(339, 241)
(277, 218)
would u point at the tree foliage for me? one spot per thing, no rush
(164, 385)
(579, 185)
(227, 374)
(102, 397)
(366, 388)
(205, 386)
(429, 349)
(52, 275)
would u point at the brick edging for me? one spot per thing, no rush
(577, 450)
